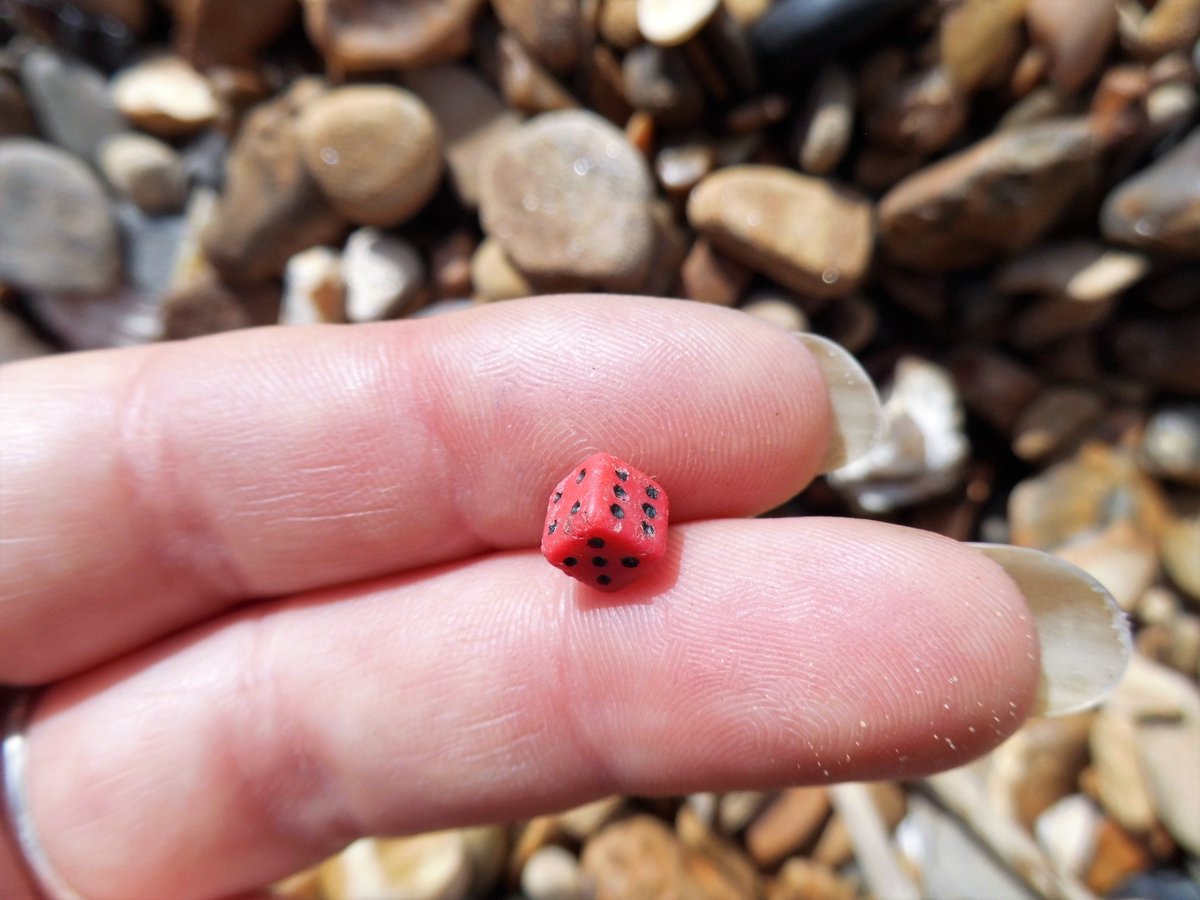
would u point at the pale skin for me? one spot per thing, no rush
(284, 588)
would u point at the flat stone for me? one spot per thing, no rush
(272, 207)
(145, 171)
(165, 96)
(313, 290)
(57, 230)
(618, 24)
(450, 264)
(974, 37)
(374, 150)
(1050, 421)
(825, 125)
(1076, 36)
(1080, 269)
(1158, 209)
(991, 199)
(432, 866)
(526, 83)
(671, 22)
(791, 822)
(659, 81)
(1119, 557)
(1181, 553)
(711, 277)
(226, 32)
(471, 118)
(804, 879)
(70, 101)
(552, 873)
(995, 387)
(635, 857)
(384, 274)
(1120, 783)
(553, 30)
(803, 232)
(373, 35)
(494, 277)
(567, 197)
(921, 113)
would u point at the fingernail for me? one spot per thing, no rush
(1083, 632)
(857, 412)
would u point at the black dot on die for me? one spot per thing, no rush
(629, 562)
(582, 474)
(652, 493)
(596, 542)
(557, 496)
(603, 579)
(553, 525)
(623, 474)
(570, 561)
(616, 510)
(647, 529)
(599, 562)
(575, 507)
(649, 510)
(621, 493)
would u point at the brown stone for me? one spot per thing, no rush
(17, 340)
(803, 232)
(568, 198)
(790, 823)
(1118, 105)
(618, 23)
(1158, 209)
(493, 275)
(211, 32)
(922, 113)
(802, 879)
(835, 847)
(1052, 419)
(272, 207)
(1076, 35)
(709, 276)
(1080, 269)
(450, 264)
(606, 85)
(659, 81)
(996, 197)
(146, 171)
(313, 290)
(732, 865)
(16, 120)
(1170, 25)
(1160, 352)
(635, 857)
(526, 83)
(374, 151)
(826, 123)
(1118, 856)
(584, 821)
(995, 387)
(370, 35)
(551, 29)
(975, 36)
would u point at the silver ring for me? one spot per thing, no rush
(16, 806)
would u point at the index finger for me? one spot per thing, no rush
(147, 489)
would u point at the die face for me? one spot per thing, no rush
(605, 523)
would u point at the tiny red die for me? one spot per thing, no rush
(606, 523)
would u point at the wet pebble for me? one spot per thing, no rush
(165, 96)
(825, 125)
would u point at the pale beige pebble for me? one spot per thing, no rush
(213, 32)
(826, 123)
(803, 879)
(680, 167)
(1181, 553)
(1158, 208)
(732, 865)
(569, 199)
(374, 150)
(736, 809)
(1055, 416)
(383, 273)
(973, 37)
(805, 233)
(618, 23)
(1170, 107)
(1119, 779)
(146, 171)
(1028, 73)
(791, 822)
(660, 81)
(313, 290)
(535, 834)
(992, 199)
(553, 30)
(779, 309)
(552, 873)
(1120, 558)
(709, 276)
(493, 275)
(431, 866)
(671, 22)
(1079, 268)
(165, 96)
(17, 340)
(634, 857)
(994, 386)
(1171, 445)
(1076, 35)
(583, 821)
(835, 847)
(374, 35)
(1067, 832)
(471, 118)
(525, 82)
(1168, 26)
(921, 113)
(1159, 605)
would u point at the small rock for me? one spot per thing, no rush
(1118, 856)
(374, 150)
(1171, 446)
(165, 96)
(17, 340)
(426, 867)
(711, 277)
(635, 857)
(835, 847)
(790, 823)
(736, 809)
(1055, 318)
(313, 290)
(374, 35)
(605, 91)
(659, 81)
(215, 32)
(975, 37)
(1181, 553)
(717, 863)
(921, 114)
(801, 231)
(70, 101)
(802, 879)
(1079, 269)
(1160, 352)
(1052, 419)
(487, 849)
(123, 317)
(1076, 37)
(1067, 832)
(994, 198)
(568, 198)
(272, 207)
(823, 130)
(553, 30)
(680, 167)
(552, 873)
(471, 118)
(584, 821)
(1038, 766)
(532, 836)
(995, 387)
(781, 311)
(206, 306)
(383, 273)
(1176, 645)
(526, 84)
(756, 114)
(1158, 209)
(57, 231)
(16, 119)
(671, 22)
(1120, 781)
(923, 449)
(450, 264)
(146, 171)
(1170, 25)
(494, 277)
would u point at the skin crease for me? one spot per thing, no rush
(401, 683)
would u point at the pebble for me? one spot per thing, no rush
(778, 309)
(919, 114)
(165, 96)
(1120, 785)
(1076, 36)
(1067, 832)
(672, 22)
(471, 118)
(431, 866)
(1079, 269)
(835, 847)
(1117, 857)
(1160, 352)
(145, 171)
(1055, 416)
(494, 277)
(680, 167)
(450, 264)
(583, 821)
(660, 81)
(216, 32)
(729, 869)
(635, 857)
(57, 231)
(16, 119)
(1169, 26)
(272, 207)
(526, 83)
(376, 35)
(618, 24)
(975, 37)
(996, 197)
(791, 822)
(70, 101)
(852, 322)
(711, 277)
(553, 30)
(803, 232)
(824, 128)
(123, 317)
(487, 848)
(313, 290)
(374, 151)
(803, 879)
(552, 873)
(1181, 553)
(1158, 209)
(736, 809)
(1039, 765)
(1171, 445)
(605, 91)
(1176, 645)
(568, 198)
(384, 275)
(17, 340)
(994, 386)
(1118, 557)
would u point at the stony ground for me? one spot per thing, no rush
(994, 203)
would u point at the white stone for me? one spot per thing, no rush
(313, 291)
(671, 22)
(383, 274)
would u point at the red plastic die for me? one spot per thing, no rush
(606, 523)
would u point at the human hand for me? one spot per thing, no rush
(283, 587)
